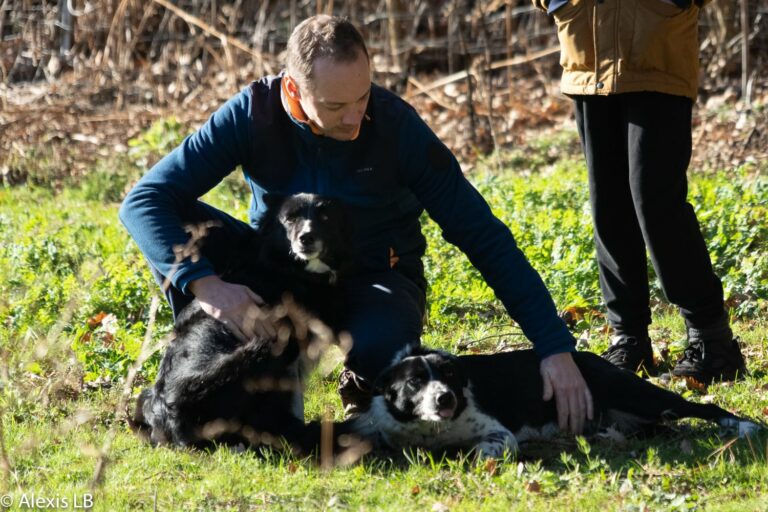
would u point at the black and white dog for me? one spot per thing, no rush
(490, 403)
(211, 387)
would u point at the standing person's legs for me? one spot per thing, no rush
(659, 141)
(621, 255)
(659, 152)
(383, 314)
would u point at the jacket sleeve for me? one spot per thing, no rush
(153, 211)
(433, 174)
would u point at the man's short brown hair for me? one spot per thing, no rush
(322, 36)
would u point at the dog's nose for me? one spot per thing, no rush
(446, 400)
(307, 238)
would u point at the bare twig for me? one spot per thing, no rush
(394, 36)
(116, 18)
(461, 75)
(434, 97)
(468, 75)
(489, 88)
(745, 51)
(464, 345)
(225, 39)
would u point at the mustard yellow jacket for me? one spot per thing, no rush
(617, 46)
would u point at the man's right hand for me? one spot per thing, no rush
(235, 305)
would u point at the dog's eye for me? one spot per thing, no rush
(414, 382)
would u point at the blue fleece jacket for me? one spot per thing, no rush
(388, 175)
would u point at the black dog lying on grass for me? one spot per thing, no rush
(211, 387)
(490, 403)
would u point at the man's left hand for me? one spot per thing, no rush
(563, 380)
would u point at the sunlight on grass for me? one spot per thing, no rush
(63, 363)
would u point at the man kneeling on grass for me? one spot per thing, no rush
(321, 126)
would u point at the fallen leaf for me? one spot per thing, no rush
(491, 467)
(533, 486)
(95, 320)
(572, 315)
(695, 385)
(415, 490)
(107, 338)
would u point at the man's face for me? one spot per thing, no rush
(337, 97)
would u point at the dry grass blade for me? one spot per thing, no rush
(5, 463)
(720, 451)
(121, 407)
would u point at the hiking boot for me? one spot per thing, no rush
(356, 393)
(708, 361)
(630, 353)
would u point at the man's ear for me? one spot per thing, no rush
(292, 87)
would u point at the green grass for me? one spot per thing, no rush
(64, 259)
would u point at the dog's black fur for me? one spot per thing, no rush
(213, 388)
(490, 403)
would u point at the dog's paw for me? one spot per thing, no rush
(748, 429)
(495, 445)
(741, 427)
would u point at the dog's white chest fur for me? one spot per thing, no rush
(318, 266)
(472, 429)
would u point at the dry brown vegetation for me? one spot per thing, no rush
(78, 79)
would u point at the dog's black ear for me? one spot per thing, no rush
(459, 370)
(273, 201)
(411, 349)
(383, 381)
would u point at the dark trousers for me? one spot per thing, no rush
(382, 311)
(637, 147)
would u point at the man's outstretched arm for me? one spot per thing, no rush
(433, 174)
